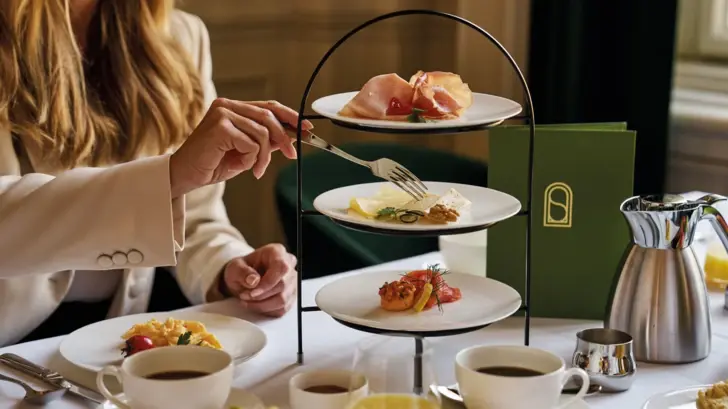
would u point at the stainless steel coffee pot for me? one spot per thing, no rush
(660, 296)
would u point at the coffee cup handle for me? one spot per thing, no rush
(568, 374)
(112, 371)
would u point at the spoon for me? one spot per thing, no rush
(454, 395)
(450, 393)
(591, 390)
(33, 396)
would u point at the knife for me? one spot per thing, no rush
(48, 376)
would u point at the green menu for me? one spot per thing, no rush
(582, 172)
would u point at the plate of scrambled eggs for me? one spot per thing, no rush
(109, 342)
(694, 397)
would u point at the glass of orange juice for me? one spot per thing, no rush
(390, 364)
(716, 267)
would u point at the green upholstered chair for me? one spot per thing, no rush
(330, 248)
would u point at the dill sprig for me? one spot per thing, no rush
(434, 271)
(437, 271)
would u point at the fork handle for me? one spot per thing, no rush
(29, 368)
(28, 388)
(309, 138)
(314, 140)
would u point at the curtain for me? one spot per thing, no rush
(607, 60)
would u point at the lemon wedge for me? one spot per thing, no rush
(426, 293)
(366, 207)
(392, 401)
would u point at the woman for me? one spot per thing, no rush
(95, 95)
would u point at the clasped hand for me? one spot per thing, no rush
(265, 280)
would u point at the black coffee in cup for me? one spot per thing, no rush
(511, 371)
(326, 389)
(176, 375)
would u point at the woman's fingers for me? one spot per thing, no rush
(246, 147)
(232, 137)
(279, 298)
(283, 113)
(282, 311)
(259, 123)
(266, 117)
(259, 134)
(286, 115)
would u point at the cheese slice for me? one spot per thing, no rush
(454, 200)
(389, 196)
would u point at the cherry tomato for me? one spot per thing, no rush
(396, 107)
(135, 344)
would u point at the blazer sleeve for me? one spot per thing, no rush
(211, 241)
(80, 218)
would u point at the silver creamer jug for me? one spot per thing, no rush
(660, 296)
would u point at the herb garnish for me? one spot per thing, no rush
(387, 212)
(184, 339)
(416, 116)
(434, 271)
(437, 271)
(404, 215)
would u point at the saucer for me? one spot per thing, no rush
(448, 403)
(238, 398)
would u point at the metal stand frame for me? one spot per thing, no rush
(528, 116)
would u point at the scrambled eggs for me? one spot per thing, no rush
(169, 332)
(715, 397)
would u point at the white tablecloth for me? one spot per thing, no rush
(328, 344)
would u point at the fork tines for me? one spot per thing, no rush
(407, 181)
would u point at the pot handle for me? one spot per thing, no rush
(716, 219)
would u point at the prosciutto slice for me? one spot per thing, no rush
(440, 95)
(376, 97)
(430, 95)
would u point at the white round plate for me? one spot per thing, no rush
(355, 300)
(486, 109)
(237, 397)
(488, 207)
(679, 399)
(97, 345)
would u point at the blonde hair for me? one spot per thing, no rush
(134, 90)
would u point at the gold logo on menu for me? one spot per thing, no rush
(558, 202)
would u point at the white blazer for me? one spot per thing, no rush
(120, 217)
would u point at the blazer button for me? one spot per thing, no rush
(135, 256)
(119, 258)
(104, 261)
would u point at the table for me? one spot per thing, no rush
(329, 344)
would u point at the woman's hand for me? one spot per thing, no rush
(232, 138)
(264, 280)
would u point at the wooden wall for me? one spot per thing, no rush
(267, 49)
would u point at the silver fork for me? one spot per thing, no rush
(384, 168)
(34, 396)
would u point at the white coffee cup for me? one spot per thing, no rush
(306, 389)
(209, 391)
(488, 391)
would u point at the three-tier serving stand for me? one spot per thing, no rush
(525, 212)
